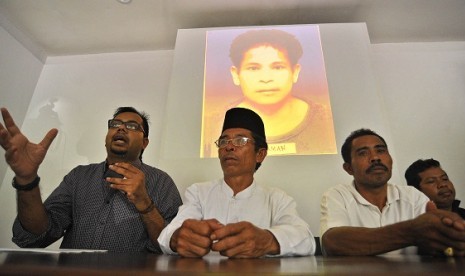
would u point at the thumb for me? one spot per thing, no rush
(214, 224)
(431, 206)
(49, 137)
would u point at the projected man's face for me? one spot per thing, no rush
(265, 75)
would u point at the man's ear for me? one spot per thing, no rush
(348, 168)
(296, 72)
(261, 154)
(145, 143)
(235, 75)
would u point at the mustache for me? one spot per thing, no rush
(444, 191)
(376, 166)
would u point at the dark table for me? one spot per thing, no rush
(31, 263)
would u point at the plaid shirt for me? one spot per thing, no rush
(91, 215)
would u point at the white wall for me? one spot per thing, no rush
(20, 71)
(422, 86)
(418, 87)
(78, 95)
(354, 100)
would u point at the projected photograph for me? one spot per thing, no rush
(278, 72)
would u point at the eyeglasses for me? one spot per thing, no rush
(238, 142)
(131, 125)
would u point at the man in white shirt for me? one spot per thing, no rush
(235, 215)
(371, 216)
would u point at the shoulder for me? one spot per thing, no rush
(271, 190)
(342, 195)
(408, 195)
(345, 189)
(205, 186)
(273, 194)
(87, 169)
(405, 191)
(150, 170)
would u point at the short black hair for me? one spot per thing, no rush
(260, 143)
(278, 39)
(412, 174)
(142, 114)
(347, 146)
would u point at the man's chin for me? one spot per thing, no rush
(120, 153)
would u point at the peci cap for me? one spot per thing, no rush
(239, 117)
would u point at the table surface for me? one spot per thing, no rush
(33, 263)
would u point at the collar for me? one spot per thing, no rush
(248, 192)
(455, 204)
(392, 195)
(137, 163)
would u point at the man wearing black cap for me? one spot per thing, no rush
(235, 215)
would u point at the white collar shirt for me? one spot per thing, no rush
(343, 205)
(265, 207)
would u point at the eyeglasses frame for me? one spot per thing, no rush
(139, 126)
(240, 138)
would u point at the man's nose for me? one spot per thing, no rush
(122, 127)
(230, 146)
(441, 183)
(375, 158)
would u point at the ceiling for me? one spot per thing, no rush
(75, 27)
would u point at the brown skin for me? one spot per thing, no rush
(434, 231)
(25, 157)
(195, 238)
(436, 185)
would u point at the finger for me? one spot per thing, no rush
(191, 244)
(49, 137)
(4, 138)
(453, 220)
(229, 246)
(459, 224)
(5, 135)
(199, 227)
(9, 122)
(127, 167)
(115, 172)
(227, 230)
(431, 206)
(192, 251)
(214, 224)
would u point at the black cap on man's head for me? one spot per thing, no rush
(239, 117)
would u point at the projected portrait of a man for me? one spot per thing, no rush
(266, 67)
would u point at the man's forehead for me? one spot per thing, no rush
(129, 116)
(262, 49)
(234, 132)
(432, 172)
(367, 141)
